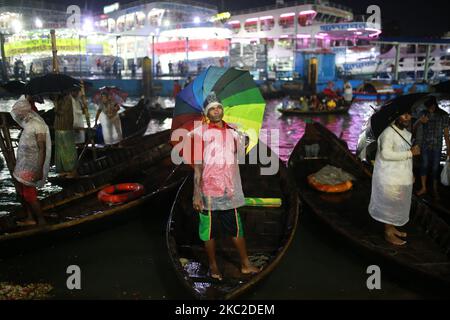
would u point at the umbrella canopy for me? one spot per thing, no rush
(14, 87)
(52, 83)
(114, 93)
(391, 110)
(242, 101)
(382, 119)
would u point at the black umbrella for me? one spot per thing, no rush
(51, 83)
(391, 110)
(382, 119)
(14, 87)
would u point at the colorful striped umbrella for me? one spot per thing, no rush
(242, 101)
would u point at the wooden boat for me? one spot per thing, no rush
(299, 112)
(268, 91)
(161, 112)
(374, 91)
(425, 257)
(268, 233)
(77, 206)
(117, 161)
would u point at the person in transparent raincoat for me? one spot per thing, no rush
(32, 159)
(392, 180)
(108, 113)
(217, 186)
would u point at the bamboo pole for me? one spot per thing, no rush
(147, 77)
(3, 55)
(88, 121)
(54, 51)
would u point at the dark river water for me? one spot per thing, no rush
(129, 260)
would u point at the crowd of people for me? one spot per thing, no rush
(327, 100)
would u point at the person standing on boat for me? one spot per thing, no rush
(80, 113)
(217, 186)
(176, 88)
(33, 159)
(330, 91)
(108, 112)
(431, 128)
(65, 148)
(392, 179)
(348, 92)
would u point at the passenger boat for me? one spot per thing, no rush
(117, 161)
(77, 207)
(339, 107)
(426, 255)
(374, 91)
(268, 233)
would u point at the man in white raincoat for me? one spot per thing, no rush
(33, 159)
(392, 180)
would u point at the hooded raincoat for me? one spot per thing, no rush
(34, 128)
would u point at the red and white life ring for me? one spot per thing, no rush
(109, 194)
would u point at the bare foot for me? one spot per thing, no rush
(421, 192)
(393, 239)
(250, 269)
(215, 273)
(398, 233)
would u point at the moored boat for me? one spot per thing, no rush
(161, 112)
(268, 233)
(374, 91)
(426, 255)
(299, 112)
(78, 205)
(118, 161)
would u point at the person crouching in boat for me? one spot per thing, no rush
(108, 112)
(392, 180)
(217, 186)
(33, 160)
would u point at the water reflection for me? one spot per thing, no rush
(292, 128)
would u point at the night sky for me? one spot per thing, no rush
(430, 18)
